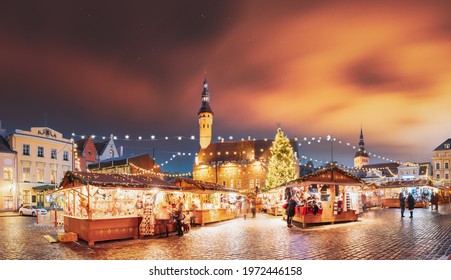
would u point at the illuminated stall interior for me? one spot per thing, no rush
(213, 202)
(420, 189)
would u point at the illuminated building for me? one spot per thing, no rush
(43, 157)
(86, 153)
(8, 189)
(441, 159)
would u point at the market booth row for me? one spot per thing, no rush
(420, 189)
(213, 203)
(336, 194)
(101, 207)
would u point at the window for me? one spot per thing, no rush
(26, 149)
(251, 184)
(7, 174)
(438, 176)
(447, 146)
(111, 153)
(446, 165)
(26, 172)
(231, 183)
(66, 155)
(53, 176)
(53, 154)
(446, 176)
(437, 165)
(40, 151)
(257, 183)
(40, 175)
(25, 196)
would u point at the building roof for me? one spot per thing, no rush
(75, 179)
(200, 186)
(442, 146)
(81, 144)
(388, 169)
(143, 161)
(101, 146)
(4, 146)
(245, 150)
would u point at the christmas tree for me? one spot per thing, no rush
(281, 167)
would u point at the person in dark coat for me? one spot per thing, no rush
(410, 204)
(290, 211)
(402, 203)
(432, 201)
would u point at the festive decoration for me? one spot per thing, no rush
(281, 167)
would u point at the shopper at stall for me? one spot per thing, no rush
(411, 204)
(402, 203)
(179, 216)
(193, 214)
(290, 211)
(432, 200)
(163, 216)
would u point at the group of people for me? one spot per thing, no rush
(411, 202)
(178, 214)
(247, 204)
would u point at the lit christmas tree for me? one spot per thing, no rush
(281, 167)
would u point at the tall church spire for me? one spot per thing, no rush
(205, 116)
(361, 157)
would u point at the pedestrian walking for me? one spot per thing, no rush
(290, 211)
(436, 200)
(432, 200)
(402, 203)
(410, 204)
(245, 207)
(253, 209)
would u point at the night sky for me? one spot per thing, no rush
(311, 67)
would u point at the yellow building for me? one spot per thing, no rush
(43, 157)
(8, 189)
(441, 160)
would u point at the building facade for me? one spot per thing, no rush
(241, 165)
(441, 160)
(8, 184)
(107, 149)
(43, 157)
(85, 154)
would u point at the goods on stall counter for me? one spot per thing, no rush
(146, 227)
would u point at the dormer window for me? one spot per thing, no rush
(447, 146)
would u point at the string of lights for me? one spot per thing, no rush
(302, 142)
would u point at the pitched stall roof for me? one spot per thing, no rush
(406, 183)
(76, 179)
(238, 151)
(200, 186)
(331, 175)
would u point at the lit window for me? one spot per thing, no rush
(53, 176)
(438, 176)
(40, 175)
(7, 174)
(446, 165)
(437, 165)
(26, 171)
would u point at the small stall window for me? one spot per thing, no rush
(325, 193)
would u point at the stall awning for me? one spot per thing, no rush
(197, 186)
(44, 187)
(406, 183)
(332, 175)
(75, 179)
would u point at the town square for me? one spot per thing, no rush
(291, 135)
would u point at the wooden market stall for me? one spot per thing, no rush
(334, 191)
(420, 189)
(215, 203)
(101, 207)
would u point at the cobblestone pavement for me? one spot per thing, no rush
(379, 234)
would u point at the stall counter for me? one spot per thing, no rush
(206, 216)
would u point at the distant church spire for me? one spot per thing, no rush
(205, 116)
(361, 157)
